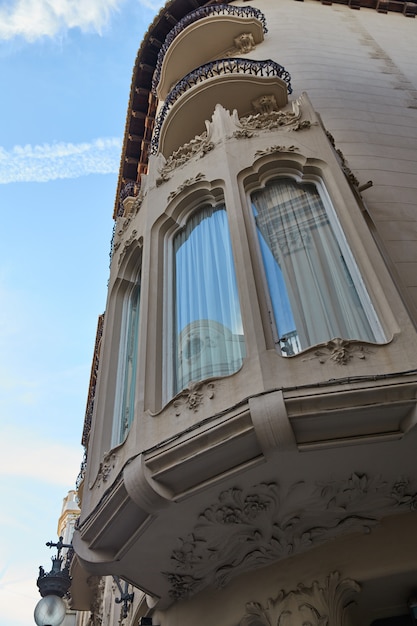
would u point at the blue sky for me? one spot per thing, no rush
(65, 73)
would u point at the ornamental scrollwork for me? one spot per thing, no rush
(199, 146)
(127, 243)
(317, 605)
(105, 469)
(267, 118)
(192, 397)
(187, 183)
(248, 528)
(340, 351)
(273, 149)
(343, 163)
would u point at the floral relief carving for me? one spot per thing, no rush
(274, 149)
(246, 529)
(200, 145)
(106, 467)
(340, 351)
(187, 183)
(267, 117)
(244, 133)
(316, 605)
(192, 397)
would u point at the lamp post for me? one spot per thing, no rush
(53, 586)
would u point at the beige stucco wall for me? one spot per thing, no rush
(360, 71)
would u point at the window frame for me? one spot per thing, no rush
(357, 272)
(131, 297)
(181, 214)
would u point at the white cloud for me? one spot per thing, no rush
(32, 19)
(59, 160)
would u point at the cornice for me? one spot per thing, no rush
(168, 16)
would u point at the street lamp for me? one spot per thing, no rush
(53, 586)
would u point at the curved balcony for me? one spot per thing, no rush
(201, 36)
(233, 82)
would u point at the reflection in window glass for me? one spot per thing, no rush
(208, 327)
(315, 288)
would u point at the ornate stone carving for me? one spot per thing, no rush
(219, 67)
(199, 146)
(340, 351)
(187, 183)
(137, 204)
(105, 469)
(119, 229)
(193, 397)
(244, 43)
(244, 133)
(96, 615)
(274, 149)
(270, 119)
(226, 125)
(246, 529)
(265, 104)
(317, 605)
(127, 244)
(343, 163)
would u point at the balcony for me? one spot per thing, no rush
(235, 83)
(201, 36)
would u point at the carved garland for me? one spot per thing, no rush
(267, 118)
(246, 529)
(322, 604)
(187, 183)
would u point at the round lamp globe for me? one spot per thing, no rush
(50, 611)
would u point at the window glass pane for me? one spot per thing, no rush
(208, 326)
(313, 293)
(128, 363)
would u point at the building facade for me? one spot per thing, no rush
(250, 434)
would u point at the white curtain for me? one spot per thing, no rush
(128, 362)
(209, 338)
(307, 274)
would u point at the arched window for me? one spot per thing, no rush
(127, 367)
(315, 288)
(208, 327)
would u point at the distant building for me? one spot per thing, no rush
(250, 433)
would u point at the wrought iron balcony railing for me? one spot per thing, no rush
(290, 343)
(195, 16)
(220, 67)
